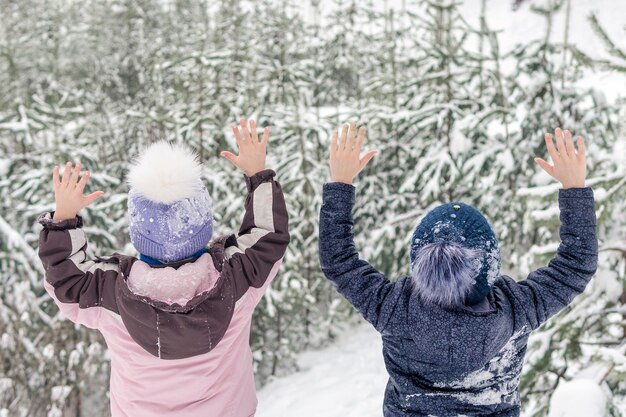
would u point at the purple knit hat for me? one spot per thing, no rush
(169, 208)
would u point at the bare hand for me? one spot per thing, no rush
(68, 192)
(251, 158)
(345, 160)
(569, 165)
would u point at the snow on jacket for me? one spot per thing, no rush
(186, 354)
(464, 362)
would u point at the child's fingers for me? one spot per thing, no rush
(230, 156)
(569, 144)
(236, 133)
(342, 139)
(351, 135)
(554, 154)
(74, 178)
(255, 136)
(83, 182)
(581, 146)
(366, 158)
(560, 144)
(545, 166)
(360, 139)
(55, 177)
(92, 197)
(244, 129)
(266, 135)
(66, 175)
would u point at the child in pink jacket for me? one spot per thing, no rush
(177, 320)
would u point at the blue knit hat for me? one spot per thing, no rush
(169, 208)
(455, 257)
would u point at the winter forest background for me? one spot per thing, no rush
(456, 108)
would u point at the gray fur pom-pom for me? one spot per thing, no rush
(444, 273)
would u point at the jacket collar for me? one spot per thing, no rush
(151, 261)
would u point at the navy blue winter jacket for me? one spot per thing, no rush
(466, 362)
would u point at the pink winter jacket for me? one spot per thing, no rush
(176, 350)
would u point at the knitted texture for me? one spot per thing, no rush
(464, 226)
(169, 208)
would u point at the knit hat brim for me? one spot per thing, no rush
(442, 232)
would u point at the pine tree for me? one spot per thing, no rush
(434, 127)
(588, 336)
(97, 81)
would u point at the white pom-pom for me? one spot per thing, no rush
(166, 173)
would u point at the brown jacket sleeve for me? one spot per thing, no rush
(75, 283)
(263, 236)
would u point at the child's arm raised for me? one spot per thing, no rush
(74, 283)
(549, 289)
(263, 236)
(369, 291)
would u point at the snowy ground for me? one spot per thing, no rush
(346, 379)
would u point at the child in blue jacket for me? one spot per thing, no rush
(455, 331)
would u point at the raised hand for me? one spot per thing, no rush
(251, 158)
(345, 159)
(570, 166)
(68, 192)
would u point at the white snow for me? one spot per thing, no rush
(492, 255)
(609, 283)
(578, 398)
(171, 285)
(4, 166)
(550, 213)
(58, 395)
(502, 368)
(48, 351)
(158, 329)
(5, 384)
(15, 240)
(513, 29)
(346, 379)
(548, 248)
(60, 392)
(14, 126)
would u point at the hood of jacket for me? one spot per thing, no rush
(173, 321)
(173, 285)
(457, 341)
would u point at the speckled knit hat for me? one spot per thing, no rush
(455, 257)
(169, 208)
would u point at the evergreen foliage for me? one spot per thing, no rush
(453, 117)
